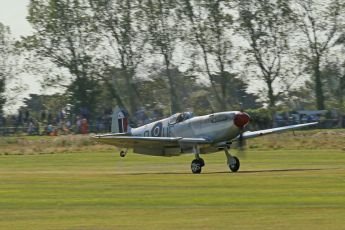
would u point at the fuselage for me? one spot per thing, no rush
(180, 133)
(217, 127)
(183, 133)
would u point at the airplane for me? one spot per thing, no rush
(184, 133)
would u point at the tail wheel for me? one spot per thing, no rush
(197, 165)
(234, 164)
(123, 153)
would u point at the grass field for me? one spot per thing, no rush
(275, 189)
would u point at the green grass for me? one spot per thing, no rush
(280, 189)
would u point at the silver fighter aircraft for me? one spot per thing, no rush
(183, 133)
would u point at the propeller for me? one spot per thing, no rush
(241, 119)
(241, 144)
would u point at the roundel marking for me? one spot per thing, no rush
(156, 130)
(120, 115)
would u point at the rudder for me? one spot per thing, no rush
(119, 123)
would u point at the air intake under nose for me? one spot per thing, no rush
(241, 119)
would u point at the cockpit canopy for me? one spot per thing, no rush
(180, 117)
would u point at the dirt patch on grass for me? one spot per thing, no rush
(313, 139)
(330, 133)
(50, 145)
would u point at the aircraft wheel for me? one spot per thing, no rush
(197, 165)
(123, 153)
(235, 164)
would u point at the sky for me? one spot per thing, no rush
(13, 13)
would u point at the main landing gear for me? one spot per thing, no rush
(198, 162)
(197, 165)
(233, 162)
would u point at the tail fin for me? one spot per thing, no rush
(119, 123)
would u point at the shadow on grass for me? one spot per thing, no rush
(285, 170)
(228, 172)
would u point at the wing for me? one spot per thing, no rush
(252, 134)
(147, 142)
(258, 133)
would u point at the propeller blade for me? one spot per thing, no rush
(241, 119)
(241, 141)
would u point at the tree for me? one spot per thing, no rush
(64, 34)
(37, 105)
(320, 24)
(120, 22)
(334, 75)
(163, 29)
(237, 97)
(210, 26)
(266, 26)
(7, 62)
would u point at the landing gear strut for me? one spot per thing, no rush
(198, 162)
(123, 153)
(233, 162)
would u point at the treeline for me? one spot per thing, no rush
(203, 55)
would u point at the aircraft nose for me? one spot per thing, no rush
(241, 119)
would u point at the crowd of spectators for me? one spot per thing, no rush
(47, 123)
(327, 119)
(63, 122)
